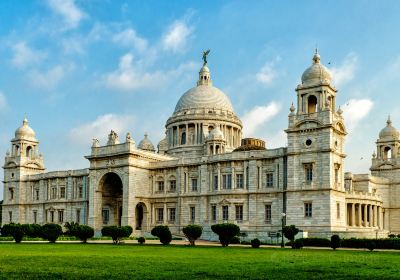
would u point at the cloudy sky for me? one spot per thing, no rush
(76, 69)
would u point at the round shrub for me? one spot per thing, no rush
(225, 232)
(290, 232)
(141, 240)
(33, 230)
(51, 232)
(71, 227)
(83, 232)
(116, 233)
(192, 233)
(235, 240)
(297, 244)
(255, 243)
(14, 230)
(163, 233)
(335, 241)
(370, 245)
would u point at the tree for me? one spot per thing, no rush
(290, 232)
(163, 233)
(71, 228)
(14, 230)
(83, 232)
(255, 243)
(335, 241)
(51, 232)
(192, 233)
(225, 232)
(116, 233)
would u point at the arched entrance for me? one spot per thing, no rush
(111, 193)
(141, 216)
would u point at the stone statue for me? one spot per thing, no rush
(205, 54)
(113, 138)
(95, 143)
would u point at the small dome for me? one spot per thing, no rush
(146, 144)
(389, 131)
(25, 132)
(216, 134)
(316, 73)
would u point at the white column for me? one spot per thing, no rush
(353, 214)
(187, 134)
(375, 215)
(365, 215)
(359, 215)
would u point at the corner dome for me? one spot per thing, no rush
(216, 134)
(25, 132)
(316, 73)
(146, 144)
(389, 131)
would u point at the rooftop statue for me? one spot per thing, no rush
(205, 54)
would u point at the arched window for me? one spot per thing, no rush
(183, 138)
(217, 149)
(312, 104)
(17, 150)
(387, 153)
(29, 152)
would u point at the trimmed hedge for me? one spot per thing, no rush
(51, 232)
(15, 230)
(192, 233)
(83, 232)
(382, 243)
(315, 242)
(163, 233)
(255, 243)
(116, 233)
(141, 240)
(226, 232)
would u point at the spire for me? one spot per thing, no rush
(25, 121)
(204, 74)
(389, 121)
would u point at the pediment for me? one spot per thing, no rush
(224, 202)
(308, 124)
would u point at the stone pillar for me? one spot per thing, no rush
(370, 224)
(219, 177)
(178, 140)
(353, 214)
(365, 215)
(187, 134)
(359, 215)
(378, 217)
(165, 214)
(233, 176)
(375, 216)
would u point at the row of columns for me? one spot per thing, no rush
(364, 215)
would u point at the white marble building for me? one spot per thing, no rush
(205, 173)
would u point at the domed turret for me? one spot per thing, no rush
(316, 73)
(146, 144)
(216, 134)
(25, 132)
(389, 131)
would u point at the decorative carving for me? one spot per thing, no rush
(129, 138)
(112, 138)
(95, 143)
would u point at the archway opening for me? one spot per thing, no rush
(111, 189)
(141, 216)
(312, 104)
(387, 153)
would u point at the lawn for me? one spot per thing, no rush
(107, 261)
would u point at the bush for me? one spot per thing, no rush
(255, 243)
(141, 240)
(290, 232)
(14, 230)
(235, 240)
(335, 241)
(383, 243)
(83, 232)
(316, 242)
(51, 232)
(163, 233)
(392, 235)
(370, 245)
(225, 232)
(32, 230)
(116, 233)
(298, 244)
(71, 227)
(192, 233)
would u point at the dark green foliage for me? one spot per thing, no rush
(290, 232)
(235, 240)
(141, 240)
(392, 235)
(192, 233)
(33, 230)
(163, 233)
(255, 243)
(51, 232)
(14, 230)
(316, 242)
(370, 245)
(335, 241)
(116, 233)
(226, 232)
(383, 243)
(298, 244)
(71, 228)
(83, 232)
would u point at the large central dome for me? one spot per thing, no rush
(204, 96)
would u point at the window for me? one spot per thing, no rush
(78, 215)
(171, 214)
(80, 191)
(183, 138)
(10, 216)
(106, 216)
(338, 210)
(172, 185)
(11, 192)
(225, 213)
(308, 209)
(239, 181)
(337, 169)
(60, 216)
(192, 214)
(36, 194)
(247, 177)
(239, 213)
(160, 215)
(194, 185)
(309, 172)
(52, 216)
(62, 192)
(53, 194)
(270, 180)
(160, 186)
(213, 212)
(268, 213)
(216, 182)
(35, 217)
(312, 104)
(227, 181)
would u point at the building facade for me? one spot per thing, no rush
(204, 173)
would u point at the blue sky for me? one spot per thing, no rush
(77, 69)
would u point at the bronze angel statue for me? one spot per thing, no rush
(205, 54)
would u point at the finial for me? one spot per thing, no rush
(292, 108)
(389, 121)
(25, 121)
(205, 54)
(340, 111)
(145, 135)
(316, 57)
(374, 155)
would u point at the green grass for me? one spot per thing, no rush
(106, 261)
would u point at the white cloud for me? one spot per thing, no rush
(258, 116)
(70, 12)
(48, 79)
(131, 76)
(345, 72)
(176, 36)
(355, 110)
(268, 72)
(3, 101)
(24, 55)
(100, 128)
(129, 38)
